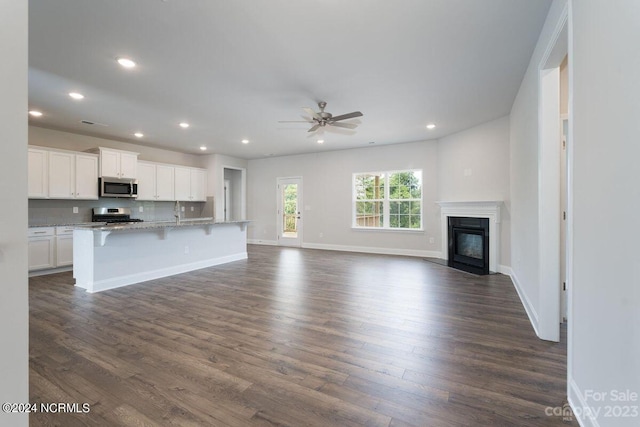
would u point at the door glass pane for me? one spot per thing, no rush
(290, 210)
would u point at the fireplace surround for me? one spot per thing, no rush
(473, 209)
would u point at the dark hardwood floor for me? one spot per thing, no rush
(294, 337)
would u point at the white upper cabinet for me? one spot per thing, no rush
(146, 181)
(128, 165)
(118, 164)
(155, 181)
(190, 184)
(38, 173)
(86, 176)
(198, 185)
(61, 174)
(73, 175)
(182, 183)
(165, 182)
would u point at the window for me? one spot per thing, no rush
(388, 200)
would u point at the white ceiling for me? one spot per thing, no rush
(233, 69)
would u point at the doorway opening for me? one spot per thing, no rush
(233, 200)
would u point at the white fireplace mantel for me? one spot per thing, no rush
(474, 209)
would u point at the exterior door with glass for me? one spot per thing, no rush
(290, 211)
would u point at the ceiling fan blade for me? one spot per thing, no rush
(347, 116)
(314, 128)
(295, 121)
(312, 113)
(345, 125)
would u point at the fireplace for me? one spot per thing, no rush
(489, 210)
(469, 244)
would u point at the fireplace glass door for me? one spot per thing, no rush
(469, 244)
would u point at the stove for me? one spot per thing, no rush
(113, 216)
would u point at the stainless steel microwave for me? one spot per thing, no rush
(114, 187)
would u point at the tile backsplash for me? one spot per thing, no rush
(45, 212)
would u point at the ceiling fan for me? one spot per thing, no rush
(322, 118)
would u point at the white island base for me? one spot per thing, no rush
(111, 257)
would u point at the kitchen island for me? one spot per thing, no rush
(111, 256)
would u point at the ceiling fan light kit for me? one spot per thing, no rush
(322, 118)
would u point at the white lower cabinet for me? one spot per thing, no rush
(64, 246)
(50, 247)
(42, 248)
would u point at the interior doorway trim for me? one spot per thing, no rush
(243, 192)
(549, 140)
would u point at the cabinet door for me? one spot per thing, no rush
(41, 252)
(64, 250)
(110, 163)
(164, 182)
(61, 175)
(38, 168)
(198, 185)
(86, 180)
(182, 184)
(146, 181)
(128, 165)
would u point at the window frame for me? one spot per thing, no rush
(386, 201)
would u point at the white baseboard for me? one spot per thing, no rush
(117, 282)
(506, 270)
(50, 271)
(528, 307)
(262, 242)
(373, 250)
(581, 409)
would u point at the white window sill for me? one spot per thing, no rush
(387, 230)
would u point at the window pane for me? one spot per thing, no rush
(369, 214)
(405, 185)
(369, 187)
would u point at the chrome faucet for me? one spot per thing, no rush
(176, 212)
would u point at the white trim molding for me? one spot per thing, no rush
(474, 209)
(584, 413)
(373, 250)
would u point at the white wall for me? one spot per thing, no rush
(474, 165)
(604, 352)
(14, 309)
(327, 179)
(524, 165)
(76, 142)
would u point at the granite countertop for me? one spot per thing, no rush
(67, 224)
(191, 222)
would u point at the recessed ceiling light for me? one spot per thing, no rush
(245, 141)
(126, 62)
(76, 95)
(138, 134)
(372, 142)
(203, 148)
(184, 125)
(35, 113)
(321, 141)
(431, 126)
